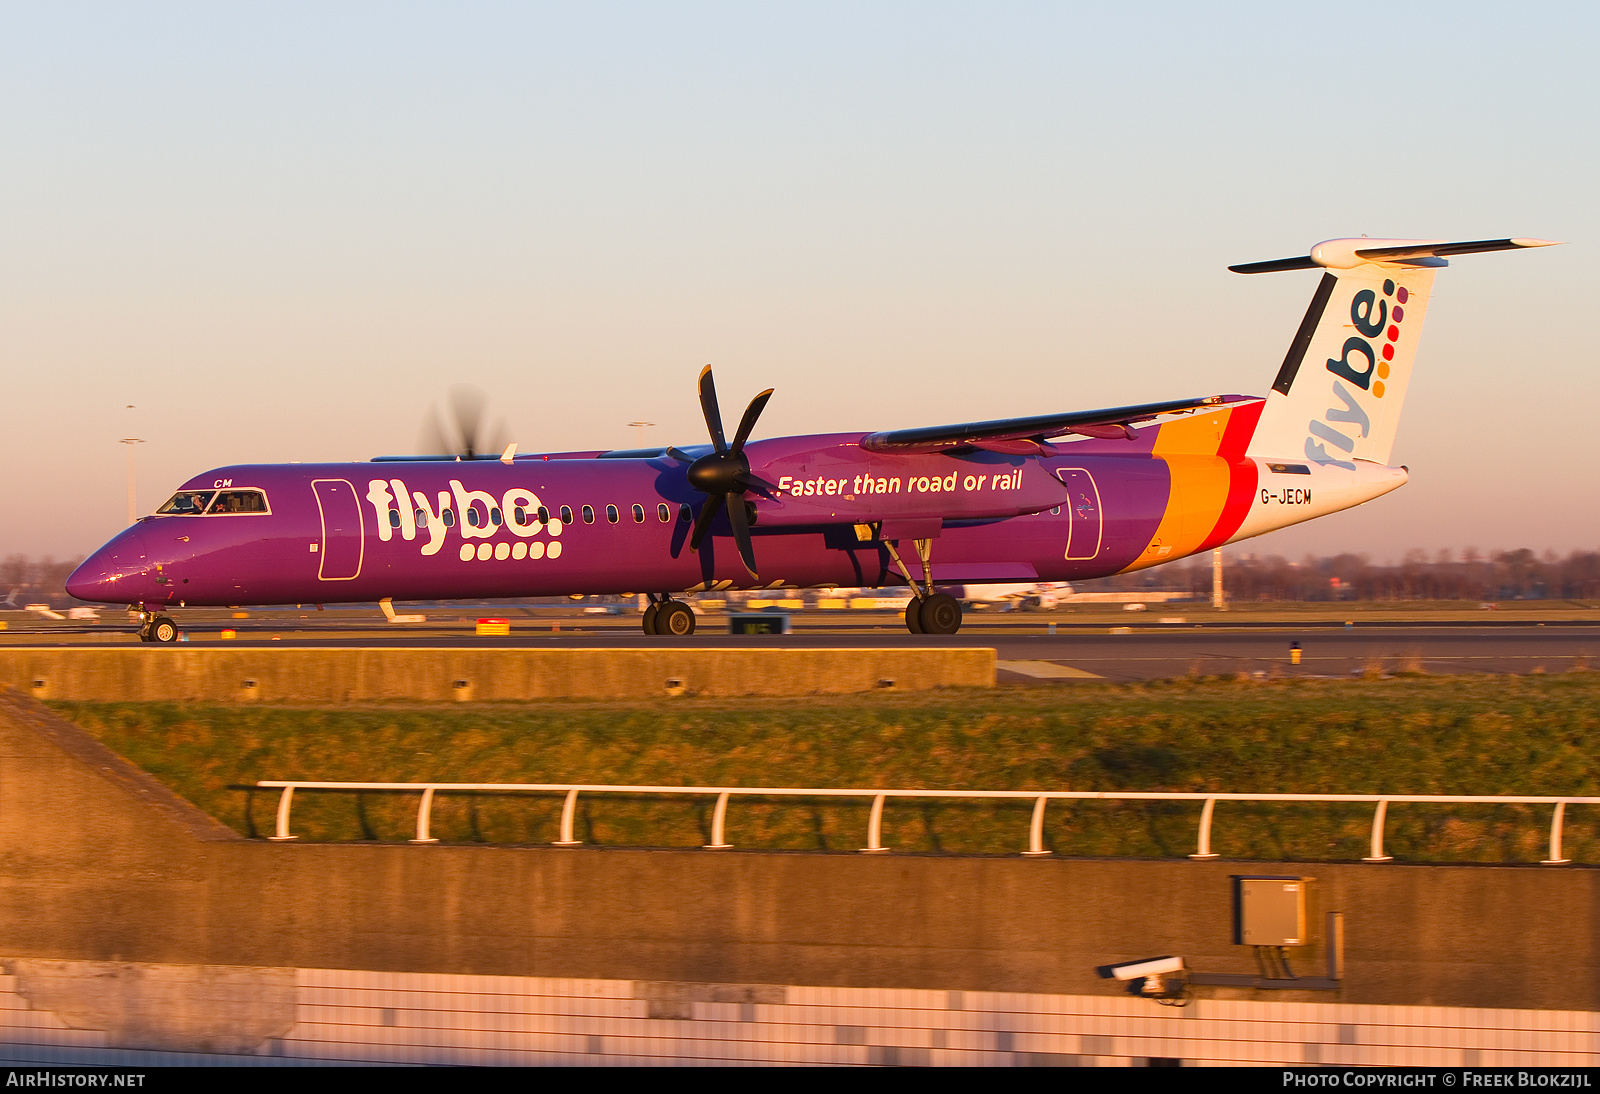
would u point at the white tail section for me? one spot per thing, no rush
(1338, 396)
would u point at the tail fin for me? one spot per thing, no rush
(1338, 396)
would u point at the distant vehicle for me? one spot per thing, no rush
(1045, 498)
(1040, 596)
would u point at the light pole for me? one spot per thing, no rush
(133, 504)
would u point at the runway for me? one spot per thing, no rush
(1026, 651)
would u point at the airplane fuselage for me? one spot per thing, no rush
(542, 526)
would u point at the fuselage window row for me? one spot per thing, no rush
(520, 514)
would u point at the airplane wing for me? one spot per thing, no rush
(1028, 436)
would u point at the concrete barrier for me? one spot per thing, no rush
(132, 1015)
(291, 675)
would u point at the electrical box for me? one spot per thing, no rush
(1270, 911)
(758, 623)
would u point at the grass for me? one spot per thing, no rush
(1409, 735)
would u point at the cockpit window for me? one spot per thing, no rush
(188, 502)
(239, 501)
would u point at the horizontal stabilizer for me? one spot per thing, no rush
(1276, 265)
(1025, 436)
(1345, 254)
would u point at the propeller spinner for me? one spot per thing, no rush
(723, 475)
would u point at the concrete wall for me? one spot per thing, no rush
(97, 862)
(158, 673)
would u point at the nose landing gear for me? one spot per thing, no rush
(157, 628)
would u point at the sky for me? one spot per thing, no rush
(272, 232)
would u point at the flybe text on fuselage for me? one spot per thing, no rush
(473, 514)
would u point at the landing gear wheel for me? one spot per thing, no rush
(914, 616)
(674, 619)
(940, 614)
(648, 620)
(162, 630)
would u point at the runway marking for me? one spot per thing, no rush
(1045, 670)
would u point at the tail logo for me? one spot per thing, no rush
(1379, 320)
(1375, 319)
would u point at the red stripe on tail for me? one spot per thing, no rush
(1242, 476)
(1240, 428)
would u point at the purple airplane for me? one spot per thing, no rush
(1057, 497)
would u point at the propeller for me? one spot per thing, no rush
(724, 474)
(463, 429)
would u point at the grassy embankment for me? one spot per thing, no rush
(1456, 735)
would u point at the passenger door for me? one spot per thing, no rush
(1086, 523)
(341, 547)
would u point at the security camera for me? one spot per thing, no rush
(1138, 970)
(1158, 978)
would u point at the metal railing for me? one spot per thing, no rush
(1040, 800)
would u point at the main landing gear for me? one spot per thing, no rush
(157, 628)
(936, 614)
(666, 616)
(929, 612)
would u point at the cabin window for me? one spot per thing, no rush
(638, 514)
(448, 516)
(188, 502)
(588, 514)
(520, 514)
(1056, 512)
(239, 501)
(611, 513)
(422, 518)
(472, 516)
(664, 512)
(566, 514)
(684, 512)
(544, 515)
(494, 517)
(394, 518)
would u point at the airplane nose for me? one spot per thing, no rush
(89, 580)
(94, 580)
(106, 576)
